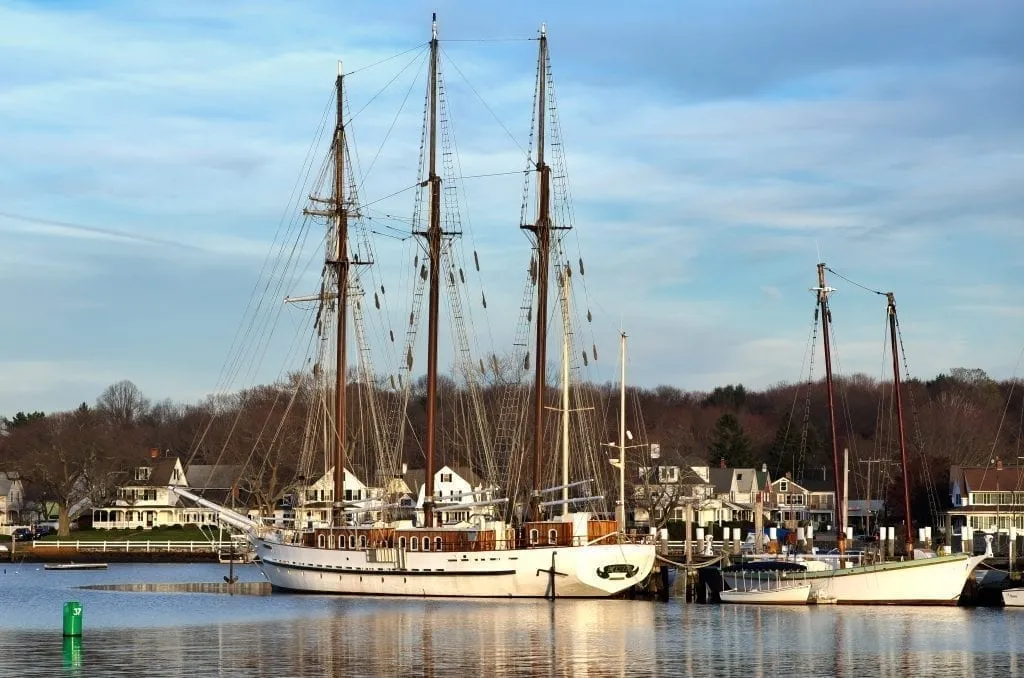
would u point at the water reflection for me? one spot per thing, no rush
(192, 630)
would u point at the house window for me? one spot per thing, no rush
(739, 476)
(552, 536)
(784, 486)
(415, 544)
(446, 477)
(797, 499)
(781, 499)
(438, 543)
(534, 536)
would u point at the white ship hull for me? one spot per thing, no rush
(928, 581)
(592, 571)
(795, 594)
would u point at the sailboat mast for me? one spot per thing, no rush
(565, 392)
(621, 511)
(542, 229)
(909, 537)
(434, 255)
(340, 263)
(826, 320)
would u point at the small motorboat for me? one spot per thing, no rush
(797, 594)
(75, 566)
(1013, 597)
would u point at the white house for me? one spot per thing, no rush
(314, 502)
(12, 500)
(143, 499)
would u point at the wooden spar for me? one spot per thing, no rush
(826, 319)
(433, 235)
(909, 538)
(341, 267)
(542, 229)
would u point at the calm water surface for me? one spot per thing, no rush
(213, 634)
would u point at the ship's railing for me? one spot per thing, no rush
(140, 545)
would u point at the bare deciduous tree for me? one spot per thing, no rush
(123, 402)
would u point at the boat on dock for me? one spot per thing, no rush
(75, 566)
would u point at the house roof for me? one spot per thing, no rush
(790, 481)
(818, 481)
(990, 480)
(467, 474)
(721, 479)
(5, 483)
(160, 475)
(746, 479)
(212, 476)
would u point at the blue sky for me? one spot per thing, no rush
(714, 150)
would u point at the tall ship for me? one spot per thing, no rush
(536, 529)
(921, 577)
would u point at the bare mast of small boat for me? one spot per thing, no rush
(893, 322)
(826, 321)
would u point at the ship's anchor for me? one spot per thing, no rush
(550, 593)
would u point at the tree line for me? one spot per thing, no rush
(960, 417)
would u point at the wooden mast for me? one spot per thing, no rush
(826, 320)
(340, 263)
(433, 236)
(909, 537)
(542, 229)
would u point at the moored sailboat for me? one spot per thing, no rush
(574, 554)
(923, 578)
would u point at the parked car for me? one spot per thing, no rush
(22, 534)
(44, 530)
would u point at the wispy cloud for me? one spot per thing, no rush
(151, 150)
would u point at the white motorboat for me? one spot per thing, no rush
(795, 594)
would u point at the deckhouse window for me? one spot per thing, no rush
(415, 544)
(401, 542)
(351, 541)
(362, 541)
(320, 540)
(552, 536)
(426, 543)
(534, 536)
(438, 543)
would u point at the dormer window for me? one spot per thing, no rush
(142, 473)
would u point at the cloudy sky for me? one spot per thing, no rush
(148, 153)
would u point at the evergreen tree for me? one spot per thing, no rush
(729, 442)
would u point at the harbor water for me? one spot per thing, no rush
(174, 627)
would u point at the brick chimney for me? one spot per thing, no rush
(721, 462)
(154, 452)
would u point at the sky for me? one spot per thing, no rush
(715, 151)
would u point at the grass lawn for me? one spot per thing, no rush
(156, 534)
